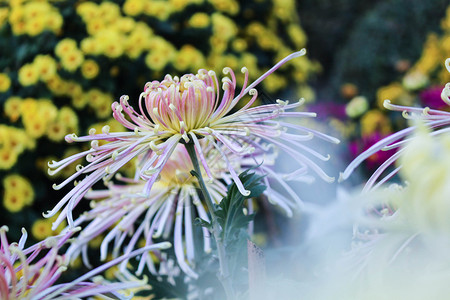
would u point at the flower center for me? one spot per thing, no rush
(182, 104)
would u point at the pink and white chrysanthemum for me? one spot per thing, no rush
(185, 110)
(127, 217)
(122, 211)
(438, 120)
(31, 273)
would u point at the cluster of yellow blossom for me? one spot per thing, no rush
(110, 33)
(42, 68)
(32, 18)
(114, 35)
(13, 141)
(41, 117)
(18, 192)
(68, 53)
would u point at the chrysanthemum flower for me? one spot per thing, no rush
(121, 211)
(437, 120)
(184, 110)
(31, 273)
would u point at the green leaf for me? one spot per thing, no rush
(234, 223)
(203, 223)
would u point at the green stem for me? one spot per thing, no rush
(224, 277)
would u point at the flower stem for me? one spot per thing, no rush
(224, 276)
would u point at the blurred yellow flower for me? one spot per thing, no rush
(28, 75)
(374, 120)
(223, 26)
(5, 82)
(275, 83)
(88, 10)
(65, 46)
(158, 9)
(431, 56)
(56, 131)
(297, 35)
(391, 92)
(18, 192)
(133, 7)
(72, 60)
(230, 7)
(41, 229)
(89, 69)
(13, 202)
(46, 66)
(13, 108)
(90, 46)
(35, 25)
(199, 20)
(4, 11)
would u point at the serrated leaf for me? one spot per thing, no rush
(203, 223)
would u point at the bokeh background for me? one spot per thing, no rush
(63, 63)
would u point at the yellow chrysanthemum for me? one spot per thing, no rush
(390, 92)
(46, 66)
(133, 7)
(158, 9)
(13, 108)
(431, 56)
(54, 21)
(188, 57)
(230, 7)
(297, 35)
(68, 117)
(65, 46)
(35, 127)
(275, 83)
(28, 75)
(18, 192)
(47, 109)
(223, 26)
(125, 24)
(88, 10)
(5, 82)
(13, 202)
(41, 229)
(109, 12)
(56, 131)
(72, 60)
(90, 46)
(89, 69)
(199, 20)
(80, 101)
(8, 158)
(155, 61)
(111, 43)
(35, 25)
(375, 120)
(95, 26)
(56, 85)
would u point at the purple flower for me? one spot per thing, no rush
(431, 98)
(185, 110)
(31, 273)
(121, 211)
